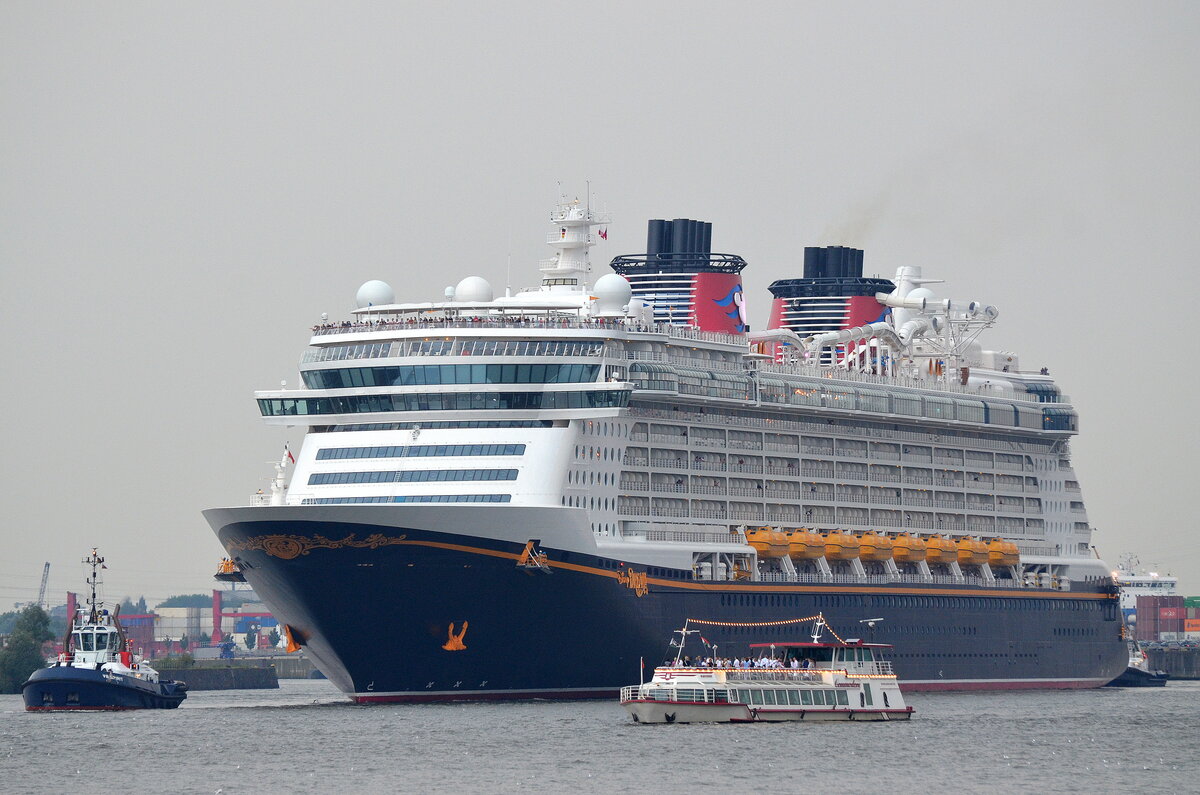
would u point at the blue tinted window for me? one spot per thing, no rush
(410, 476)
(410, 498)
(436, 374)
(456, 401)
(420, 450)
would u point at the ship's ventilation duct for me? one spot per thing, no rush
(945, 306)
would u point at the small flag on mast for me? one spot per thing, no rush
(604, 233)
(287, 453)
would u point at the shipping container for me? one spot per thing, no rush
(1169, 613)
(1191, 625)
(1192, 601)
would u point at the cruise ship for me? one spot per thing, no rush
(524, 495)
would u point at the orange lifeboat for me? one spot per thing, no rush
(841, 546)
(908, 549)
(873, 546)
(1003, 553)
(769, 542)
(939, 549)
(972, 552)
(805, 545)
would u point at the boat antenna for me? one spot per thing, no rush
(683, 633)
(818, 627)
(96, 562)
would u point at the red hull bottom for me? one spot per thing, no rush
(579, 695)
(79, 709)
(1020, 684)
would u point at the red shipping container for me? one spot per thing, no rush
(1170, 612)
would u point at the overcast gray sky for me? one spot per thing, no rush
(184, 188)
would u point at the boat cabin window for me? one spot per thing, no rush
(89, 641)
(806, 697)
(820, 655)
(101, 641)
(843, 698)
(868, 655)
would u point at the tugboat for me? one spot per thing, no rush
(1139, 673)
(816, 680)
(96, 670)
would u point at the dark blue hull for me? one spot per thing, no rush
(398, 614)
(1136, 677)
(61, 688)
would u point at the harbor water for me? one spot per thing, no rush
(305, 737)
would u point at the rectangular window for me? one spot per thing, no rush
(843, 699)
(756, 697)
(806, 697)
(794, 697)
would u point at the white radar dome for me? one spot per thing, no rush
(612, 293)
(920, 292)
(473, 290)
(375, 293)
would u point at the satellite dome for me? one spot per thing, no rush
(612, 293)
(473, 290)
(375, 293)
(920, 292)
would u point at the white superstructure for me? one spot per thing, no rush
(667, 443)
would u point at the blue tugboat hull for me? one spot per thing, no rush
(62, 688)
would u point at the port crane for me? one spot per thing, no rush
(42, 591)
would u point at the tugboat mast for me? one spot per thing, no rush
(96, 562)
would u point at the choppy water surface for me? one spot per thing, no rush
(305, 737)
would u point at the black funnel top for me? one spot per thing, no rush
(678, 246)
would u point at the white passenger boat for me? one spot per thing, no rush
(814, 680)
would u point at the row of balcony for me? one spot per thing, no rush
(825, 496)
(945, 524)
(720, 444)
(1013, 445)
(810, 471)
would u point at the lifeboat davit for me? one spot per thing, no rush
(769, 542)
(805, 545)
(939, 549)
(873, 546)
(841, 546)
(1003, 553)
(908, 549)
(972, 552)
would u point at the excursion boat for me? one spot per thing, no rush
(96, 671)
(815, 680)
